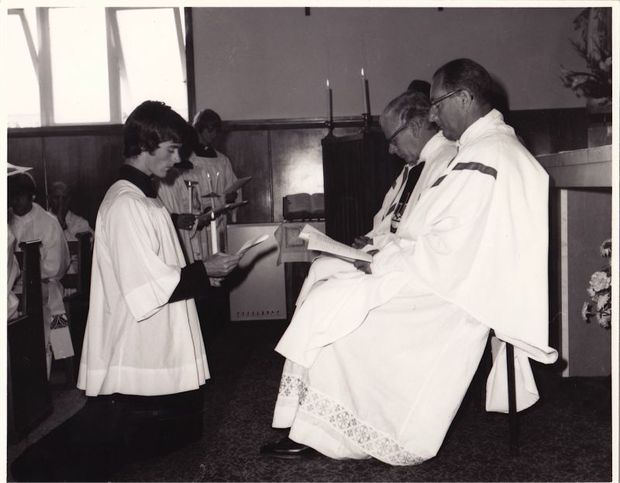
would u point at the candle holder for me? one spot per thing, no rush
(329, 124)
(366, 120)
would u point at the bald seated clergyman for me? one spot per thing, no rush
(426, 153)
(378, 359)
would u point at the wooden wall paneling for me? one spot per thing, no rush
(89, 164)
(297, 164)
(248, 151)
(28, 151)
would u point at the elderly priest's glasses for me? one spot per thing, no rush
(396, 133)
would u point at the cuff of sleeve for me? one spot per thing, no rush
(194, 283)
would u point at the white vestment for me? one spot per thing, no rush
(213, 175)
(38, 224)
(377, 365)
(435, 155)
(12, 274)
(136, 342)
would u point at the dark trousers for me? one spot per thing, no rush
(109, 432)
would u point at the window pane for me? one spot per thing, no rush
(152, 59)
(79, 65)
(22, 100)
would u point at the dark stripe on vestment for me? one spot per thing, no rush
(477, 167)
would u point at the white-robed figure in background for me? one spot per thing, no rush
(378, 359)
(29, 221)
(12, 274)
(210, 173)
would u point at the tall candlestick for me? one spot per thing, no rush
(366, 93)
(330, 108)
(213, 228)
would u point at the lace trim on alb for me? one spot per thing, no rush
(374, 442)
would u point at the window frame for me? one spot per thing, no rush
(117, 73)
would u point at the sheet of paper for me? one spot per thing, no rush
(251, 243)
(320, 242)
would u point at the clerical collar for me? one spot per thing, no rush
(138, 178)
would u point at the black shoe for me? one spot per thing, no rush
(288, 449)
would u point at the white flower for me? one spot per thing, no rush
(591, 292)
(599, 281)
(602, 301)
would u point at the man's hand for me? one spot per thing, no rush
(361, 242)
(363, 265)
(185, 221)
(221, 264)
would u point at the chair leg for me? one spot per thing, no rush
(512, 401)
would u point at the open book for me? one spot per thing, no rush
(321, 242)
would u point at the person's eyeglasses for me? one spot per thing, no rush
(444, 97)
(396, 133)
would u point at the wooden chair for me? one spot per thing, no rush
(81, 248)
(29, 398)
(479, 384)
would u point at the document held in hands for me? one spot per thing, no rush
(251, 243)
(322, 243)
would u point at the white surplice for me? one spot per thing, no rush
(39, 224)
(213, 175)
(377, 365)
(136, 342)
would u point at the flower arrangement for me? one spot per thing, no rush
(599, 290)
(594, 46)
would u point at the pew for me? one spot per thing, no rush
(29, 398)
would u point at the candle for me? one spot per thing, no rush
(366, 94)
(330, 109)
(213, 229)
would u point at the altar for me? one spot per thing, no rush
(580, 220)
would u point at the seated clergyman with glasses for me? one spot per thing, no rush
(426, 152)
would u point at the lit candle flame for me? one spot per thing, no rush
(327, 83)
(363, 72)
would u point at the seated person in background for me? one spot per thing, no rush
(421, 86)
(379, 359)
(59, 198)
(426, 152)
(211, 173)
(29, 221)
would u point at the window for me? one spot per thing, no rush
(93, 65)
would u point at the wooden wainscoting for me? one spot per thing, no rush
(283, 156)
